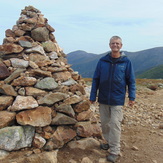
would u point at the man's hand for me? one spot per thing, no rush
(131, 103)
(92, 101)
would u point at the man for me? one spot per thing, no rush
(114, 72)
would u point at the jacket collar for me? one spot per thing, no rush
(108, 57)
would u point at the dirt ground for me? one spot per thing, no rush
(141, 143)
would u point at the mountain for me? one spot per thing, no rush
(153, 73)
(83, 62)
(144, 60)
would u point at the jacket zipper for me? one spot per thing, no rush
(110, 81)
(112, 70)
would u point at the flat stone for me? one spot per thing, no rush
(82, 106)
(73, 100)
(62, 76)
(7, 89)
(85, 143)
(9, 48)
(19, 63)
(25, 44)
(14, 75)
(47, 83)
(88, 129)
(33, 65)
(69, 82)
(37, 49)
(24, 81)
(56, 69)
(52, 98)
(67, 109)
(85, 115)
(7, 118)
(40, 116)
(5, 101)
(42, 73)
(23, 102)
(53, 55)
(31, 91)
(62, 119)
(37, 58)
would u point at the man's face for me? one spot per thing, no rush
(115, 45)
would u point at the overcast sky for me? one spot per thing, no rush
(88, 24)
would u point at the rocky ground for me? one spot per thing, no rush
(142, 135)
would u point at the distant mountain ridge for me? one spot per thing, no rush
(144, 60)
(153, 73)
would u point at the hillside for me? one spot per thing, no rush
(142, 60)
(154, 73)
(84, 65)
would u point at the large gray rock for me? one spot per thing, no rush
(40, 34)
(19, 63)
(16, 137)
(47, 83)
(52, 98)
(26, 44)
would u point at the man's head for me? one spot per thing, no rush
(115, 43)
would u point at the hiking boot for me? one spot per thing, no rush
(112, 158)
(104, 146)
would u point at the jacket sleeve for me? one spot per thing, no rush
(95, 83)
(130, 81)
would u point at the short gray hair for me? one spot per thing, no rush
(115, 38)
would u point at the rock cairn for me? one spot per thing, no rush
(43, 103)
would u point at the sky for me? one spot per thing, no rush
(89, 24)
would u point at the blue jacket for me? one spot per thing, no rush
(111, 79)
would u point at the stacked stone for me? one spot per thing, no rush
(43, 103)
